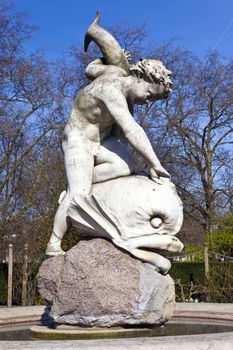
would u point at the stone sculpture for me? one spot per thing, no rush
(104, 198)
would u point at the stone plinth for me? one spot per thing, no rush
(96, 284)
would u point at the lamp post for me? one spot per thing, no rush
(10, 276)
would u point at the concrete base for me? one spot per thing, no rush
(216, 341)
(71, 332)
(213, 341)
(174, 328)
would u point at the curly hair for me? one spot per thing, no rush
(151, 70)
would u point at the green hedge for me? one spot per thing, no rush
(195, 270)
(3, 284)
(32, 297)
(188, 271)
(16, 292)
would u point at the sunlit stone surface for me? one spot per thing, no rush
(96, 284)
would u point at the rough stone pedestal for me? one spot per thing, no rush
(96, 284)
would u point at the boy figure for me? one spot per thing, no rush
(92, 153)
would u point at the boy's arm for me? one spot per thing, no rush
(117, 106)
(95, 69)
(98, 67)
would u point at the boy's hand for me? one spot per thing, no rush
(158, 171)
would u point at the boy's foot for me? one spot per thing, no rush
(54, 249)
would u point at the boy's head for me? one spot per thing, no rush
(153, 71)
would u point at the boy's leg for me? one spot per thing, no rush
(112, 161)
(60, 226)
(79, 165)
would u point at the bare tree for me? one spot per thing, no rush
(199, 129)
(30, 116)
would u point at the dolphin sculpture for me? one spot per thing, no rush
(110, 48)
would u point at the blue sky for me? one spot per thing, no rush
(200, 25)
